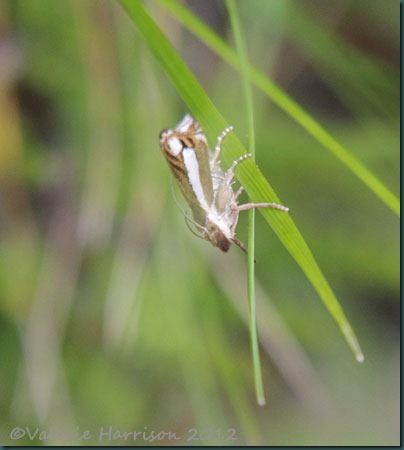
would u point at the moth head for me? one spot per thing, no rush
(165, 136)
(216, 236)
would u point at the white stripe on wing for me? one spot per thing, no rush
(192, 166)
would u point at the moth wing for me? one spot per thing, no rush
(188, 125)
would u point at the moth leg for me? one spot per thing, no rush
(248, 206)
(218, 147)
(241, 245)
(238, 193)
(230, 170)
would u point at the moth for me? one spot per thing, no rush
(205, 186)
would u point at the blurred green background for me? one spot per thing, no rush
(113, 316)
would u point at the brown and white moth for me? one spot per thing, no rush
(206, 187)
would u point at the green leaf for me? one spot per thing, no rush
(216, 44)
(249, 112)
(247, 173)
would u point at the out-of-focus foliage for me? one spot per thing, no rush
(113, 317)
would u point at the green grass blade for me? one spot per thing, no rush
(216, 44)
(372, 78)
(249, 110)
(255, 184)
